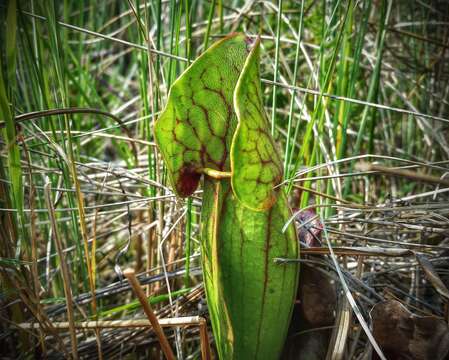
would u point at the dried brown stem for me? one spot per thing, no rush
(403, 173)
(134, 282)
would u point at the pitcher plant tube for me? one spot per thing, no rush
(214, 126)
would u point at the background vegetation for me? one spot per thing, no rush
(356, 91)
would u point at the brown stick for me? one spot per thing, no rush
(402, 173)
(134, 282)
(117, 324)
(205, 346)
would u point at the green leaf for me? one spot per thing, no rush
(255, 161)
(11, 46)
(6, 112)
(195, 130)
(199, 123)
(136, 303)
(249, 296)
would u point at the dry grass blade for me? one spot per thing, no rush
(351, 300)
(337, 344)
(64, 268)
(353, 251)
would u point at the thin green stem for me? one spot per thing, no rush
(276, 65)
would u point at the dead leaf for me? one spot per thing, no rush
(403, 335)
(313, 316)
(318, 297)
(432, 275)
